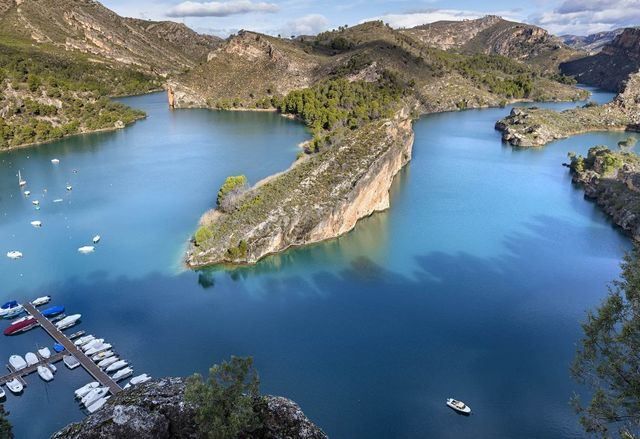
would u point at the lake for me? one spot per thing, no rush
(472, 285)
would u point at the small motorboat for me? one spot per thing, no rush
(15, 386)
(69, 187)
(58, 200)
(138, 380)
(53, 368)
(36, 223)
(17, 362)
(55, 161)
(98, 348)
(68, 321)
(117, 365)
(76, 335)
(23, 325)
(45, 373)
(102, 355)
(7, 306)
(31, 358)
(83, 340)
(87, 249)
(96, 239)
(82, 391)
(58, 347)
(122, 374)
(53, 311)
(14, 312)
(27, 193)
(21, 181)
(14, 254)
(459, 406)
(70, 361)
(94, 395)
(88, 345)
(44, 352)
(35, 202)
(41, 301)
(98, 404)
(107, 362)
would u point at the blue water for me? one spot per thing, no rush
(472, 285)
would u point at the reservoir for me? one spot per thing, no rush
(472, 285)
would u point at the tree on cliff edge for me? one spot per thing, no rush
(225, 402)
(6, 431)
(608, 358)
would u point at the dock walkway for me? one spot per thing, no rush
(71, 349)
(29, 369)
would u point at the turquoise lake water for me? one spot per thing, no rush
(472, 285)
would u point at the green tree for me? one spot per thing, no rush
(225, 402)
(6, 431)
(608, 358)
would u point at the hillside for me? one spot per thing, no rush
(492, 35)
(86, 26)
(609, 68)
(592, 43)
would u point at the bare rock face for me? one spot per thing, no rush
(157, 410)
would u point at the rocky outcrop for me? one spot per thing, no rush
(612, 180)
(157, 410)
(592, 43)
(321, 198)
(527, 127)
(611, 67)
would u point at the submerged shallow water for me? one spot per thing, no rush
(472, 285)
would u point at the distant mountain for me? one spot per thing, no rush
(87, 26)
(609, 68)
(493, 35)
(592, 43)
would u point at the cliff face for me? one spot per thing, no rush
(320, 198)
(592, 43)
(536, 127)
(609, 68)
(157, 410)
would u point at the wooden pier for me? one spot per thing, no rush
(13, 373)
(70, 349)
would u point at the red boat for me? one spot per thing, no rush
(22, 326)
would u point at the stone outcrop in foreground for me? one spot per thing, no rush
(528, 127)
(157, 410)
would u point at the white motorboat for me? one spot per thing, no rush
(53, 368)
(21, 182)
(31, 358)
(58, 200)
(122, 374)
(96, 239)
(15, 386)
(117, 365)
(55, 161)
(94, 395)
(44, 352)
(27, 193)
(70, 361)
(36, 223)
(107, 362)
(69, 187)
(22, 319)
(17, 362)
(138, 380)
(83, 340)
(45, 373)
(35, 202)
(87, 249)
(41, 300)
(68, 321)
(98, 404)
(13, 312)
(14, 254)
(458, 406)
(82, 391)
(97, 349)
(92, 343)
(102, 355)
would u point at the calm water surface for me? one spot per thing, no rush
(472, 285)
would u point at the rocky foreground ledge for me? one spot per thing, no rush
(535, 127)
(157, 410)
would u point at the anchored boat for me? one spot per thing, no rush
(53, 311)
(31, 358)
(45, 373)
(17, 362)
(122, 374)
(459, 406)
(83, 340)
(138, 380)
(14, 254)
(15, 386)
(97, 405)
(41, 301)
(117, 365)
(86, 249)
(68, 321)
(21, 326)
(44, 352)
(82, 391)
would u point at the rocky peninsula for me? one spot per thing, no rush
(157, 410)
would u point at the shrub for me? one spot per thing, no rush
(203, 234)
(230, 191)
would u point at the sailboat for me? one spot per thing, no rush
(21, 182)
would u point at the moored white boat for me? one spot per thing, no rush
(41, 301)
(31, 358)
(21, 181)
(122, 374)
(86, 249)
(35, 202)
(68, 321)
(94, 395)
(458, 406)
(98, 404)
(44, 352)
(55, 161)
(107, 361)
(82, 391)
(15, 386)
(45, 373)
(14, 254)
(36, 223)
(27, 193)
(69, 187)
(13, 312)
(6, 307)
(70, 361)
(117, 365)
(102, 355)
(138, 380)
(96, 239)
(58, 200)
(92, 343)
(83, 340)
(17, 362)
(97, 349)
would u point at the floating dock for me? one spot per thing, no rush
(13, 373)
